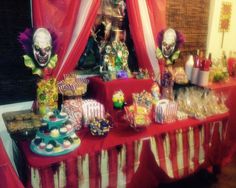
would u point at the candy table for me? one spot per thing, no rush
(130, 158)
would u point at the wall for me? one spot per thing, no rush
(191, 19)
(214, 36)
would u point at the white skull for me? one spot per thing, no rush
(168, 42)
(42, 46)
(108, 49)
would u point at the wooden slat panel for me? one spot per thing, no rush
(191, 19)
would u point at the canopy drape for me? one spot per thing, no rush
(146, 19)
(72, 20)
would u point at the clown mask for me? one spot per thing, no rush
(42, 46)
(168, 42)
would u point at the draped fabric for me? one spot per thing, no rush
(144, 162)
(146, 20)
(71, 21)
(182, 152)
(8, 175)
(106, 168)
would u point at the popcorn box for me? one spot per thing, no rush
(92, 109)
(73, 107)
(165, 111)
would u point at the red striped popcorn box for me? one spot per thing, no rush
(165, 111)
(171, 112)
(91, 109)
(73, 107)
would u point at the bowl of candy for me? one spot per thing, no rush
(72, 85)
(99, 126)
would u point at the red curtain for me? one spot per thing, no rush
(8, 175)
(146, 19)
(71, 20)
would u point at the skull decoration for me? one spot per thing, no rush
(42, 46)
(168, 42)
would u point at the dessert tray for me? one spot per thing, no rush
(55, 137)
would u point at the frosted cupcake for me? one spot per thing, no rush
(75, 139)
(54, 133)
(49, 148)
(66, 143)
(42, 145)
(57, 148)
(63, 130)
(62, 115)
(69, 127)
(37, 141)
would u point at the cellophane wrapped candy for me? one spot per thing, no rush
(47, 95)
(201, 103)
(219, 71)
(138, 116)
(143, 99)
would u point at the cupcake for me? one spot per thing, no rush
(76, 140)
(53, 142)
(63, 130)
(57, 148)
(69, 127)
(63, 115)
(66, 143)
(37, 141)
(73, 135)
(52, 118)
(54, 133)
(43, 129)
(42, 145)
(49, 147)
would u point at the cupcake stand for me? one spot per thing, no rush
(55, 137)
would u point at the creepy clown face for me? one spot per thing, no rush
(168, 42)
(42, 46)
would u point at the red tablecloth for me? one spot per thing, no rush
(228, 88)
(8, 175)
(103, 91)
(138, 159)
